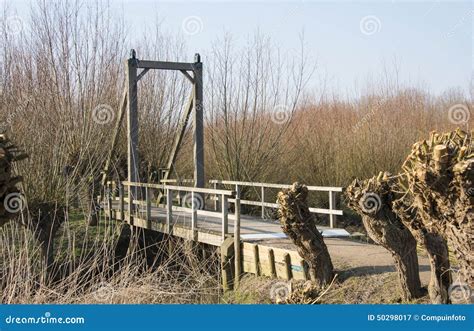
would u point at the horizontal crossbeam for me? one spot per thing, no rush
(165, 65)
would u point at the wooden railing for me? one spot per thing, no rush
(196, 206)
(332, 191)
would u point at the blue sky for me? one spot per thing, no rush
(431, 41)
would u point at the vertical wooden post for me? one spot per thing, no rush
(287, 261)
(237, 248)
(194, 212)
(332, 206)
(198, 117)
(271, 260)
(256, 259)
(132, 129)
(148, 207)
(130, 205)
(225, 217)
(121, 202)
(263, 202)
(109, 200)
(169, 209)
(217, 201)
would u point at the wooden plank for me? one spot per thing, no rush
(267, 261)
(271, 185)
(143, 185)
(202, 236)
(162, 65)
(199, 190)
(275, 205)
(248, 258)
(256, 260)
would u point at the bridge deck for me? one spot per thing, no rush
(251, 227)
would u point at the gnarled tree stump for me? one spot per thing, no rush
(299, 224)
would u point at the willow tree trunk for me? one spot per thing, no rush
(440, 268)
(373, 200)
(398, 240)
(299, 224)
(436, 248)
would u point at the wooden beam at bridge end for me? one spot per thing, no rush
(227, 265)
(198, 124)
(132, 131)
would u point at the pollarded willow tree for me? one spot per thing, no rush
(299, 224)
(432, 197)
(373, 199)
(439, 178)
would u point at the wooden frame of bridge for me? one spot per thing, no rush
(129, 105)
(194, 212)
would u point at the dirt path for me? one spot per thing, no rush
(357, 258)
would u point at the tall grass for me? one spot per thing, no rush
(86, 269)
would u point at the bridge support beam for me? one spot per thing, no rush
(198, 123)
(132, 131)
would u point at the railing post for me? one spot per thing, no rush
(109, 200)
(237, 250)
(263, 202)
(169, 209)
(121, 201)
(225, 217)
(148, 207)
(194, 212)
(130, 204)
(332, 206)
(217, 199)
